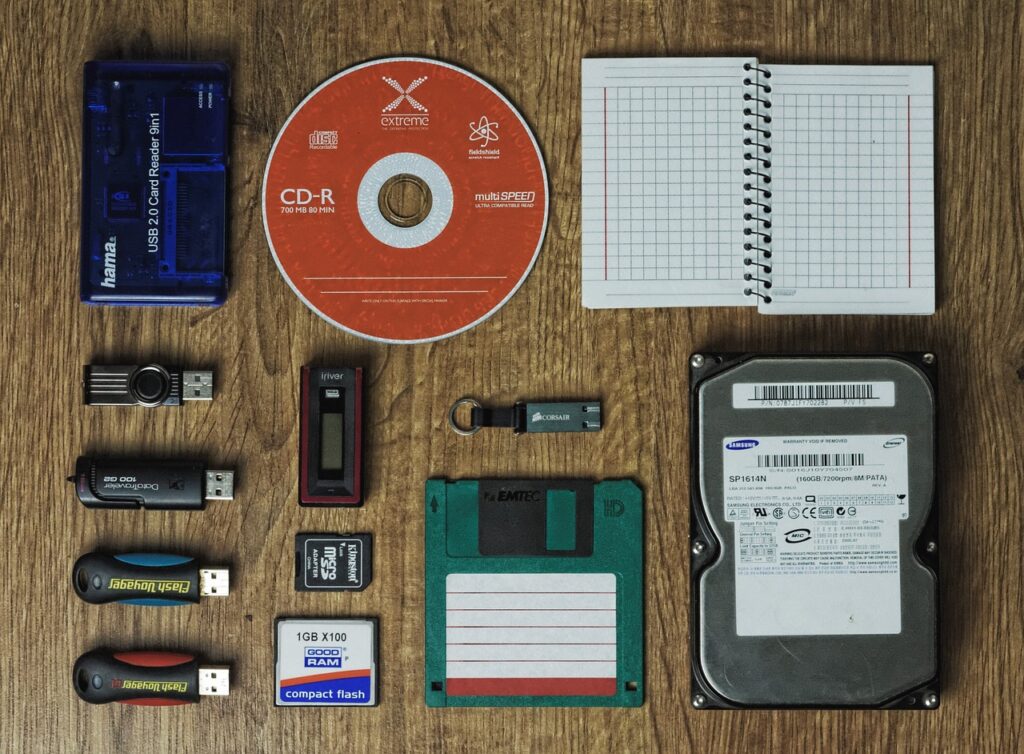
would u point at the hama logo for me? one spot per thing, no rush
(322, 657)
(415, 115)
(110, 263)
(323, 139)
(742, 444)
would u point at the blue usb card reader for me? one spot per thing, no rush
(154, 159)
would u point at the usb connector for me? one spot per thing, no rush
(214, 680)
(197, 386)
(220, 485)
(214, 582)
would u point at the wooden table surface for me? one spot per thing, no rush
(542, 344)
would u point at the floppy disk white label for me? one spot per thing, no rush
(549, 634)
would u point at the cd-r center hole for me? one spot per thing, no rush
(405, 200)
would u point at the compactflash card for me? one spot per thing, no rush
(325, 662)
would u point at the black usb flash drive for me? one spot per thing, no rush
(150, 679)
(168, 485)
(147, 385)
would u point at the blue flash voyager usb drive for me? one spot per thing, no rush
(146, 578)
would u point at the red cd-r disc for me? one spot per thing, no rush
(405, 200)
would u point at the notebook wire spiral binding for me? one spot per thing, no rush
(757, 164)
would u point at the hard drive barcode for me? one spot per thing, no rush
(838, 392)
(814, 395)
(807, 460)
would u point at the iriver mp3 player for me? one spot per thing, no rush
(330, 447)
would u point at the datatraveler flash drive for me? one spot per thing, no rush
(330, 445)
(149, 679)
(146, 578)
(168, 485)
(149, 385)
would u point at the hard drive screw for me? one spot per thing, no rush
(928, 358)
(931, 700)
(698, 547)
(697, 361)
(699, 700)
(931, 547)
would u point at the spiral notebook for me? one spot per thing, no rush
(800, 189)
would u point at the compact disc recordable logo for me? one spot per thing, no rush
(323, 139)
(405, 110)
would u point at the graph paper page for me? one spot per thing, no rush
(663, 182)
(853, 204)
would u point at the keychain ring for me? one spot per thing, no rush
(451, 416)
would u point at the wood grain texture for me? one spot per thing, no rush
(542, 344)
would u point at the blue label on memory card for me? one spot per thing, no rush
(352, 690)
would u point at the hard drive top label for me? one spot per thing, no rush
(814, 395)
(817, 532)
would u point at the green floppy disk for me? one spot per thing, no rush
(534, 593)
